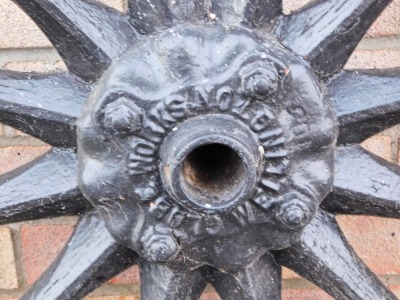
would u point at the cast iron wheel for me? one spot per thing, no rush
(167, 66)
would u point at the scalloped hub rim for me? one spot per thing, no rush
(145, 82)
(242, 97)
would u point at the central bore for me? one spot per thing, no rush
(213, 169)
(210, 163)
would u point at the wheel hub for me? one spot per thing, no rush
(211, 163)
(202, 134)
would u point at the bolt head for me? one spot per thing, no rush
(260, 80)
(122, 117)
(161, 248)
(148, 192)
(294, 213)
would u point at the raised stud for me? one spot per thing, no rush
(293, 213)
(160, 248)
(122, 117)
(259, 80)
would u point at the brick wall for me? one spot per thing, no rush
(26, 249)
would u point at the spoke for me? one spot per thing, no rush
(150, 16)
(44, 106)
(364, 184)
(252, 13)
(259, 280)
(162, 283)
(365, 103)
(327, 32)
(86, 34)
(90, 258)
(324, 257)
(46, 187)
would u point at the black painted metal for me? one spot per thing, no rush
(86, 34)
(259, 280)
(153, 16)
(374, 196)
(326, 32)
(163, 283)
(249, 112)
(90, 258)
(46, 187)
(250, 13)
(323, 256)
(44, 106)
(206, 148)
(365, 102)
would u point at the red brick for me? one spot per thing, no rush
(289, 274)
(8, 131)
(293, 294)
(298, 294)
(126, 297)
(305, 294)
(398, 152)
(117, 4)
(17, 30)
(376, 240)
(396, 290)
(130, 276)
(379, 145)
(40, 246)
(8, 270)
(48, 240)
(290, 6)
(14, 157)
(210, 296)
(36, 66)
(388, 23)
(20, 133)
(366, 59)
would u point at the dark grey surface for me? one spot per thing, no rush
(87, 35)
(365, 102)
(46, 187)
(372, 195)
(326, 32)
(90, 258)
(275, 129)
(323, 256)
(271, 115)
(160, 282)
(44, 106)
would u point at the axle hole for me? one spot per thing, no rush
(213, 171)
